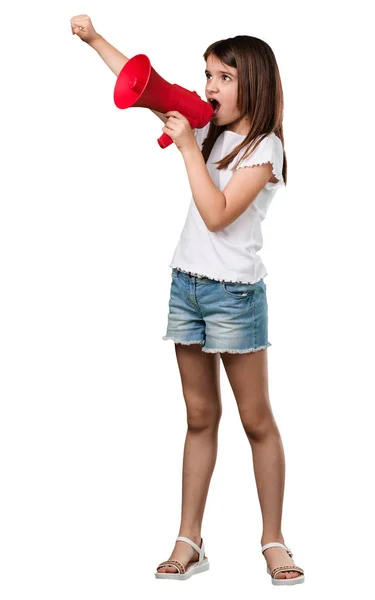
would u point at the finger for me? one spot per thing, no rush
(80, 24)
(80, 18)
(167, 130)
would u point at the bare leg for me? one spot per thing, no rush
(200, 378)
(248, 377)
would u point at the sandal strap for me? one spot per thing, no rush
(194, 545)
(279, 545)
(173, 563)
(277, 570)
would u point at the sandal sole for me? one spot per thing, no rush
(193, 570)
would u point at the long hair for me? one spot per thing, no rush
(260, 94)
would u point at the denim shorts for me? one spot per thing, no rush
(221, 316)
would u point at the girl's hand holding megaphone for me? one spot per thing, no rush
(178, 128)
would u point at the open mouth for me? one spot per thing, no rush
(215, 105)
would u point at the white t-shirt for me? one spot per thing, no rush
(230, 254)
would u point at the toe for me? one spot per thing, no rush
(167, 569)
(287, 575)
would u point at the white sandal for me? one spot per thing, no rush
(192, 568)
(276, 570)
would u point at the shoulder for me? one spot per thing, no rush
(270, 143)
(268, 150)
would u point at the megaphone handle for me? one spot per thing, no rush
(164, 141)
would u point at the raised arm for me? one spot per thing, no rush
(82, 26)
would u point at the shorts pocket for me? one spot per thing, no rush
(238, 290)
(174, 272)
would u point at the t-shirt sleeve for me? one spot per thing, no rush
(269, 150)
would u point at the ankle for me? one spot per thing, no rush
(192, 535)
(272, 537)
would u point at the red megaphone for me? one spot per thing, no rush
(138, 84)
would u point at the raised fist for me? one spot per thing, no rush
(82, 26)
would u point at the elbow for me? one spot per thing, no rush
(218, 222)
(212, 227)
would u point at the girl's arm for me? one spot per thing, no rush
(83, 27)
(219, 209)
(115, 61)
(111, 56)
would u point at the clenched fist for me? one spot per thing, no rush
(82, 26)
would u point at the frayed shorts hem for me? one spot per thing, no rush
(215, 350)
(167, 337)
(247, 351)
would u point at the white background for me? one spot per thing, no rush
(92, 415)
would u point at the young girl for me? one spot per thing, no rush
(218, 301)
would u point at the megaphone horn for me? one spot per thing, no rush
(138, 84)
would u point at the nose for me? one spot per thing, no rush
(212, 91)
(211, 87)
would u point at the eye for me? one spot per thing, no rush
(208, 75)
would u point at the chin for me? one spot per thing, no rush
(216, 120)
(220, 120)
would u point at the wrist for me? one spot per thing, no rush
(96, 41)
(191, 149)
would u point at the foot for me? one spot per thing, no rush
(277, 557)
(184, 553)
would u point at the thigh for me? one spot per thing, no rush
(236, 316)
(248, 377)
(185, 321)
(200, 379)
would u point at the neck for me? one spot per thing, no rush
(240, 126)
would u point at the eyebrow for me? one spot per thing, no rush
(223, 72)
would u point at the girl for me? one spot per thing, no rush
(218, 302)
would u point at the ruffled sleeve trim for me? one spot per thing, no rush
(269, 150)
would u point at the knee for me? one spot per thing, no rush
(257, 428)
(203, 416)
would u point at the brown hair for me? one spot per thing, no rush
(260, 94)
